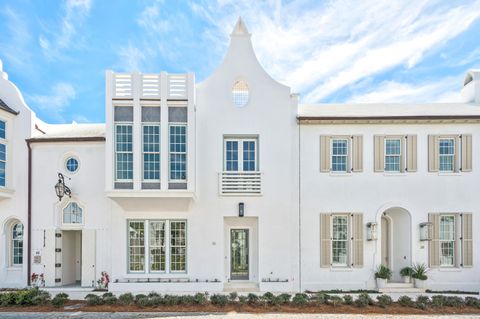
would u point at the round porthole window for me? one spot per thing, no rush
(240, 93)
(71, 164)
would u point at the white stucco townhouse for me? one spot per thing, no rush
(231, 185)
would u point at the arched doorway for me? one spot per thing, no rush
(396, 240)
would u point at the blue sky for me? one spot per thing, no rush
(57, 52)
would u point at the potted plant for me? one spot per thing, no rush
(406, 273)
(382, 275)
(419, 275)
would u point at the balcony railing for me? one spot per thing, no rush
(240, 183)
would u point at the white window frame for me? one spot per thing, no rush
(4, 141)
(399, 155)
(12, 242)
(346, 156)
(122, 152)
(240, 164)
(452, 155)
(152, 180)
(347, 241)
(81, 212)
(452, 241)
(170, 179)
(167, 246)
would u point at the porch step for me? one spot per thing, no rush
(241, 286)
(400, 287)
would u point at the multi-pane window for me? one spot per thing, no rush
(157, 246)
(393, 155)
(151, 152)
(17, 244)
(3, 154)
(339, 155)
(447, 154)
(178, 152)
(447, 240)
(123, 152)
(240, 154)
(164, 251)
(72, 214)
(240, 93)
(340, 240)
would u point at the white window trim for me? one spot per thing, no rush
(170, 153)
(72, 224)
(159, 153)
(67, 158)
(454, 264)
(385, 155)
(146, 266)
(347, 156)
(454, 155)
(240, 141)
(10, 241)
(348, 241)
(116, 179)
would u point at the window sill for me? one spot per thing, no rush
(340, 174)
(15, 268)
(6, 192)
(449, 173)
(394, 174)
(450, 269)
(341, 269)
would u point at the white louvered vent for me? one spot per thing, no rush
(177, 86)
(122, 86)
(151, 85)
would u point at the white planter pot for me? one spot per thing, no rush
(381, 283)
(406, 279)
(419, 283)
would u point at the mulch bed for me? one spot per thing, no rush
(393, 309)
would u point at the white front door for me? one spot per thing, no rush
(88, 258)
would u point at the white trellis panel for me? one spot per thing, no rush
(122, 86)
(177, 86)
(150, 86)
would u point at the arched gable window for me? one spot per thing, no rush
(72, 214)
(17, 244)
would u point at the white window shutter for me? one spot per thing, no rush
(466, 153)
(88, 257)
(379, 151)
(411, 153)
(357, 240)
(433, 153)
(467, 240)
(48, 258)
(357, 156)
(325, 240)
(434, 244)
(324, 153)
(457, 153)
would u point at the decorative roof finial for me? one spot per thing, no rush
(240, 28)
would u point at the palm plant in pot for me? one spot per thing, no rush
(406, 273)
(419, 275)
(382, 275)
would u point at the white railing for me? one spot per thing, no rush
(122, 85)
(240, 183)
(150, 85)
(177, 86)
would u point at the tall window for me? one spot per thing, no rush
(240, 154)
(163, 236)
(151, 152)
(17, 244)
(393, 154)
(178, 152)
(340, 240)
(3, 154)
(240, 93)
(339, 155)
(447, 154)
(72, 214)
(123, 152)
(447, 240)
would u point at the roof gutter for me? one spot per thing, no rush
(401, 117)
(66, 139)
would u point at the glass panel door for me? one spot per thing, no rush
(239, 254)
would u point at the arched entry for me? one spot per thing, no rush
(395, 240)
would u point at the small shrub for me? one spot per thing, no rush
(406, 272)
(219, 300)
(269, 298)
(59, 300)
(438, 301)
(25, 297)
(200, 299)
(242, 300)
(321, 298)
(187, 300)
(110, 300)
(126, 299)
(153, 294)
(422, 302)
(300, 299)
(363, 300)
(454, 301)
(284, 298)
(233, 296)
(93, 300)
(383, 272)
(472, 302)
(170, 300)
(384, 301)
(139, 297)
(144, 302)
(42, 298)
(252, 299)
(335, 301)
(155, 301)
(7, 299)
(348, 300)
(405, 301)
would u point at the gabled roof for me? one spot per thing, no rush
(5, 107)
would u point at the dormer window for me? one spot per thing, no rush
(240, 93)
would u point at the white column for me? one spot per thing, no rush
(191, 133)
(137, 132)
(109, 151)
(164, 131)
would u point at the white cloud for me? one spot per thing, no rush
(15, 39)
(132, 58)
(73, 15)
(56, 102)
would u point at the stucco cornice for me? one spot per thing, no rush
(440, 119)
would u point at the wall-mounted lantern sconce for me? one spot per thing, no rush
(61, 189)
(241, 209)
(426, 231)
(372, 231)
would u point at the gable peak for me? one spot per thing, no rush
(240, 28)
